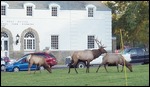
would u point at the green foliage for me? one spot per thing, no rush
(132, 17)
(60, 77)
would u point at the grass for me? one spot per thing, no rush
(60, 77)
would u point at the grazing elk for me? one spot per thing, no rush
(39, 61)
(87, 55)
(111, 58)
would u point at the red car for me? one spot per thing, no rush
(50, 59)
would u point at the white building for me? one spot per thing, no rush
(57, 25)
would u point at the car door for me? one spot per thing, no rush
(141, 56)
(97, 61)
(134, 55)
(24, 65)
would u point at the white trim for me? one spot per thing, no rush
(3, 51)
(90, 5)
(87, 41)
(4, 3)
(29, 4)
(94, 9)
(7, 5)
(33, 8)
(51, 42)
(54, 5)
(26, 39)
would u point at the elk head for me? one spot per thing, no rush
(129, 66)
(101, 47)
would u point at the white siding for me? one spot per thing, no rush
(73, 27)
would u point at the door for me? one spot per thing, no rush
(141, 55)
(4, 44)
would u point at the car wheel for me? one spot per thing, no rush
(81, 65)
(2, 68)
(16, 69)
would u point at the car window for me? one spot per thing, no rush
(51, 55)
(132, 51)
(23, 60)
(125, 51)
(40, 54)
(140, 51)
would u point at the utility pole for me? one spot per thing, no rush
(122, 45)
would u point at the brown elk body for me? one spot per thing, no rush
(86, 55)
(111, 58)
(39, 61)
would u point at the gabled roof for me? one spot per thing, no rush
(64, 5)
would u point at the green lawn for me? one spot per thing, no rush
(60, 77)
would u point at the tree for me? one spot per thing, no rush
(132, 17)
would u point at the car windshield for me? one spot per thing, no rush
(21, 58)
(125, 51)
(52, 55)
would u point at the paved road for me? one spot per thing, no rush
(65, 66)
(59, 66)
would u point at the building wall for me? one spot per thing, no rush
(72, 27)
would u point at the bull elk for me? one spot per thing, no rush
(87, 55)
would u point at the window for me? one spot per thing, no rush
(29, 10)
(4, 41)
(91, 41)
(29, 41)
(3, 34)
(90, 12)
(54, 42)
(4, 7)
(5, 45)
(3, 10)
(54, 11)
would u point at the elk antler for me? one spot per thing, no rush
(99, 43)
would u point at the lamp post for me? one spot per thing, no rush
(17, 39)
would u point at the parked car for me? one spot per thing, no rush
(82, 64)
(97, 61)
(50, 58)
(11, 60)
(7, 60)
(137, 55)
(2, 64)
(22, 64)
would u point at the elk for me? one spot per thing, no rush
(39, 61)
(112, 58)
(86, 55)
